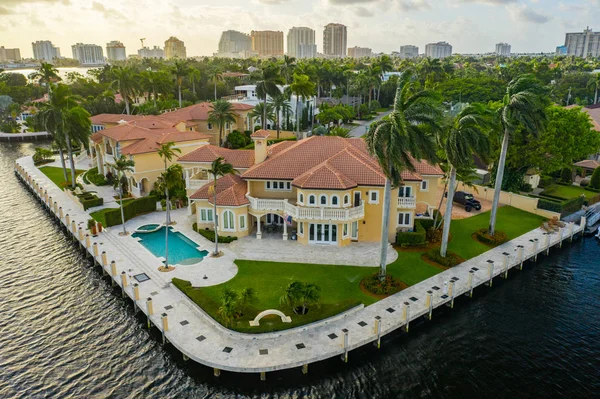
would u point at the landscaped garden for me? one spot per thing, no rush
(566, 192)
(339, 286)
(56, 174)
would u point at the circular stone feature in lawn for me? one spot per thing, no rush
(390, 285)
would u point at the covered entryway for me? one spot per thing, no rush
(322, 233)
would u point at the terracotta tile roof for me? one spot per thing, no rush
(231, 191)
(273, 149)
(153, 142)
(102, 119)
(96, 137)
(324, 175)
(208, 153)
(260, 134)
(588, 164)
(199, 112)
(424, 168)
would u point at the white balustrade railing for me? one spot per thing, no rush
(407, 202)
(307, 213)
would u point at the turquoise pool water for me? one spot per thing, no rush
(182, 250)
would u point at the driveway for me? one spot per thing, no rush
(458, 211)
(360, 130)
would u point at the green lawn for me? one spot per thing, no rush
(340, 285)
(567, 192)
(99, 215)
(57, 176)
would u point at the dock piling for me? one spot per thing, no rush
(305, 369)
(95, 248)
(378, 331)
(406, 315)
(123, 283)
(104, 261)
(165, 325)
(150, 309)
(216, 372)
(471, 273)
(429, 304)
(451, 293)
(520, 252)
(491, 272)
(506, 262)
(547, 243)
(263, 376)
(345, 343)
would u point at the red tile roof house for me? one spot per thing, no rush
(320, 190)
(139, 140)
(194, 117)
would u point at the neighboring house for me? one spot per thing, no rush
(532, 177)
(594, 112)
(140, 144)
(328, 190)
(194, 117)
(588, 165)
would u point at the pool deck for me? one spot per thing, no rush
(198, 337)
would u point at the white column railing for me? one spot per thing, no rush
(307, 213)
(407, 202)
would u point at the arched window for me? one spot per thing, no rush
(335, 200)
(301, 198)
(323, 199)
(346, 199)
(311, 199)
(228, 221)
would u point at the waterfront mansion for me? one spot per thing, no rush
(320, 190)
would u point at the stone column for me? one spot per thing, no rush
(258, 232)
(285, 234)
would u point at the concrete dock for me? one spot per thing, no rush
(200, 338)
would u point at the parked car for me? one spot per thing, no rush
(466, 199)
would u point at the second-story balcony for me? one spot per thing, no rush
(407, 202)
(305, 212)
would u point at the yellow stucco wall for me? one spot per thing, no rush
(238, 211)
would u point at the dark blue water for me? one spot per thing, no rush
(65, 333)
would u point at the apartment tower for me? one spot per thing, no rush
(301, 42)
(335, 40)
(586, 44)
(503, 49)
(10, 54)
(359, 52)
(438, 50)
(88, 54)
(115, 51)
(44, 50)
(409, 51)
(267, 43)
(234, 44)
(175, 48)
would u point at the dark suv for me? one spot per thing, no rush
(466, 199)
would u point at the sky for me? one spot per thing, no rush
(470, 26)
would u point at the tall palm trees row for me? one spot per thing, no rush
(414, 130)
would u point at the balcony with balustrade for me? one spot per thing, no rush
(260, 206)
(407, 202)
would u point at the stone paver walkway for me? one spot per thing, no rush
(200, 338)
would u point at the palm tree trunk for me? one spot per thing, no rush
(215, 219)
(435, 220)
(215, 89)
(154, 98)
(498, 186)
(297, 118)
(312, 118)
(179, 95)
(264, 121)
(71, 161)
(448, 213)
(121, 201)
(194, 87)
(62, 162)
(126, 104)
(596, 95)
(385, 222)
(220, 133)
(278, 128)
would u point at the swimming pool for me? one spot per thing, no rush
(182, 250)
(147, 228)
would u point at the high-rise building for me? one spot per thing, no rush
(503, 49)
(438, 50)
(409, 51)
(301, 42)
(115, 51)
(359, 52)
(335, 40)
(234, 44)
(44, 50)
(174, 48)
(267, 43)
(88, 54)
(154, 52)
(586, 44)
(9, 54)
(561, 50)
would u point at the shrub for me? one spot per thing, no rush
(549, 205)
(210, 235)
(566, 175)
(526, 187)
(572, 205)
(451, 259)
(413, 238)
(94, 177)
(595, 180)
(498, 238)
(90, 201)
(579, 171)
(546, 181)
(236, 140)
(386, 287)
(130, 210)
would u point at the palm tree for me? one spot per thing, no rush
(287, 68)
(125, 81)
(430, 70)
(405, 134)
(167, 151)
(179, 69)
(595, 84)
(298, 294)
(215, 75)
(280, 106)
(46, 74)
(339, 132)
(464, 138)
(155, 82)
(217, 169)
(122, 165)
(247, 297)
(301, 87)
(229, 308)
(220, 114)
(261, 111)
(79, 128)
(267, 86)
(194, 77)
(523, 106)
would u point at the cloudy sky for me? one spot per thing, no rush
(469, 25)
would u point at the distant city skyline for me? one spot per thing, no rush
(471, 26)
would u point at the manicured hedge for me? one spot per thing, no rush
(546, 181)
(498, 238)
(130, 210)
(90, 201)
(549, 205)
(210, 235)
(413, 238)
(572, 205)
(450, 260)
(94, 177)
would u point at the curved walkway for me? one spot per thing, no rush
(200, 338)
